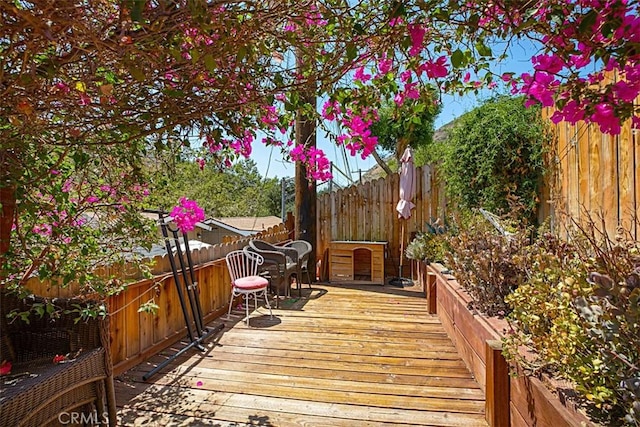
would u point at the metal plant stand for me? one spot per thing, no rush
(185, 283)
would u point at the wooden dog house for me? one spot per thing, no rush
(356, 261)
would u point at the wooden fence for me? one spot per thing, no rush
(368, 212)
(135, 336)
(594, 176)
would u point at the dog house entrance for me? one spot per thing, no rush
(362, 264)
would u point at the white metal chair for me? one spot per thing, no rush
(280, 263)
(243, 270)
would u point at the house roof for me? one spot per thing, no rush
(158, 249)
(243, 225)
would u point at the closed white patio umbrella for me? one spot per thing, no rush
(407, 193)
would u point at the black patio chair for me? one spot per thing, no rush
(280, 264)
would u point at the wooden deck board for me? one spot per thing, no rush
(341, 356)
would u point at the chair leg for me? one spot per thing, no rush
(230, 305)
(308, 277)
(246, 307)
(266, 300)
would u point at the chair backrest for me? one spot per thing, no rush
(302, 246)
(243, 264)
(261, 245)
(272, 253)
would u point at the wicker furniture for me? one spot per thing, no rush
(41, 392)
(304, 250)
(279, 262)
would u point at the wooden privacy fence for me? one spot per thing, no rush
(135, 336)
(595, 175)
(368, 212)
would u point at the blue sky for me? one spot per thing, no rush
(270, 163)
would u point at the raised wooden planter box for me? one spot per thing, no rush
(511, 401)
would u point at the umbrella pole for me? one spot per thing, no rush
(401, 248)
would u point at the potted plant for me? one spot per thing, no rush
(429, 245)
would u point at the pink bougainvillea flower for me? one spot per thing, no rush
(269, 115)
(186, 214)
(626, 92)
(417, 33)
(605, 117)
(396, 21)
(84, 100)
(318, 166)
(62, 87)
(435, 69)
(540, 87)
(411, 91)
(298, 153)
(384, 65)
(572, 113)
(329, 109)
(44, 230)
(550, 63)
(361, 75)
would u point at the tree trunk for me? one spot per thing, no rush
(305, 201)
(381, 162)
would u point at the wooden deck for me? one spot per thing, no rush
(342, 356)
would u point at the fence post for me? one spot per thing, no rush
(497, 386)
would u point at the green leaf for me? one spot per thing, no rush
(483, 49)
(397, 9)
(195, 55)
(209, 62)
(149, 307)
(174, 93)
(242, 53)
(136, 10)
(457, 58)
(587, 22)
(278, 79)
(352, 51)
(137, 74)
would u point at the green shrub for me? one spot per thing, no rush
(495, 159)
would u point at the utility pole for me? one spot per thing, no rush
(283, 194)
